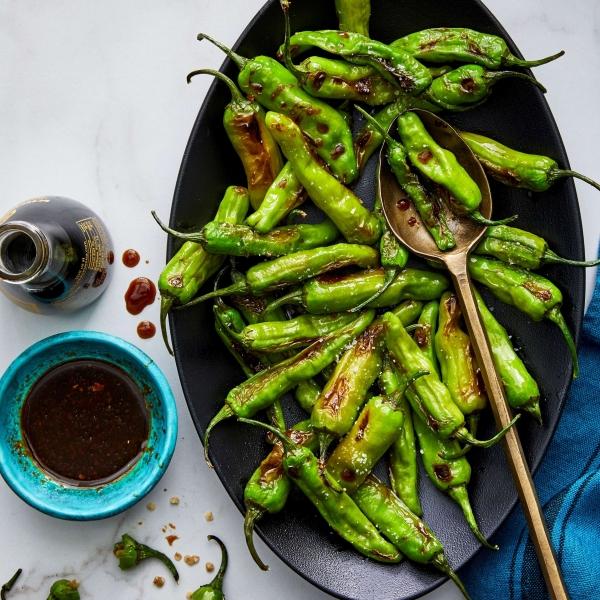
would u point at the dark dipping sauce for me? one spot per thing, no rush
(85, 422)
(146, 330)
(140, 293)
(131, 258)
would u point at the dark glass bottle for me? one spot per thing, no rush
(56, 255)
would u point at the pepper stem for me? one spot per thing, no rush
(460, 495)
(253, 514)
(225, 413)
(389, 276)
(479, 218)
(240, 61)
(147, 552)
(236, 95)
(493, 76)
(287, 443)
(556, 317)
(325, 440)
(397, 396)
(294, 297)
(441, 562)
(197, 237)
(462, 435)
(8, 586)
(512, 61)
(166, 302)
(550, 257)
(217, 582)
(558, 173)
(240, 287)
(287, 54)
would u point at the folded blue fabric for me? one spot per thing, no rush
(568, 484)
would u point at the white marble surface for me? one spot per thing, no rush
(94, 106)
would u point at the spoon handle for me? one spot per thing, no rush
(457, 265)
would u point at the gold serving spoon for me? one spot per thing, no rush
(409, 229)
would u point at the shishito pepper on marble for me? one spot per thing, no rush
(130, 553)
(214, 589)
(244, 123)
(275, 88)
(454, 44)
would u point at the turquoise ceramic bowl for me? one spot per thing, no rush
(82, 504)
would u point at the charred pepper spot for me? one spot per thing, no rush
(363, 87)
(368, 339)
(318, 79)
(334, 396)
(343, 34)
(176, 281)
(443, 472)
(467, 84)
(338, 151)
(251, 304)
(257, 87)
(299, 437)
(505, 175)
(454, 313)
(363, 139)
(277, 91)
(272, 467)
(331, 278)
(364, 422)
(348, 475)
(425, 156)
(322, 127)
(474, 48)
(422, 336)
(282, 184)
(433, 424)
(540, 292)
(293, 472)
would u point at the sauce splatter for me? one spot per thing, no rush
(412, 221)
(146, 330)
(171, 538)
(403, 204)
(131, 258)
(141, 293)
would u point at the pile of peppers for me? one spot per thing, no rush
(376, 353)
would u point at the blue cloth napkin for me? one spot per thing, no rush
(568, 484)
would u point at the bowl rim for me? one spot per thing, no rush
(170, 427)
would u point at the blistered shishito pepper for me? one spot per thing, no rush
(354, 15)
(446, 44)
(64, 589)
(395, 65)
(285, 194)
(277, 336)
(448, 475)
(335, 506)
(522, 391)
(522, 248)
(425, 335)
(469, 84)
(518, 169)
(403, 528)
(378, 425)
(275, 88)
(9, 584)
(130, 553)
(442, 167)
(260, 391)
(241, 240)
(336, 293)
(428, 205)
(346, 390)
(244, 123)
(288, 270)
(458, 365)
(341, 80)
(269, 487)
(307, 393)
(531, 293)
(431, 399)
(191, 265)
(356, 223)
(214, 589)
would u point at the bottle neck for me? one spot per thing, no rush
(24, 252)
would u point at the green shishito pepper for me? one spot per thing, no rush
(430, 399)
(288, 270)
(346, 390)
(518, 169)
(285, 194)
(9, 584)
(403, 528)
(448, 475)
(459, 368)
(394, 64)
(191, 265)
(469, 84)
(214, 589)
(429, 206)
(336, 293)
(241, 240)
(356, 223)
(354, 15)
(275, 88)
(374, 431)
(130, 553)
(277, 336)
(244, 123)
(522, 248)
(269, 487)
(442, 167)
(260, 391)
(531, 293)
(307, 393)
(63, 589)
(522, 391)
(445, 44)
(335, 506)
(425, 335)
